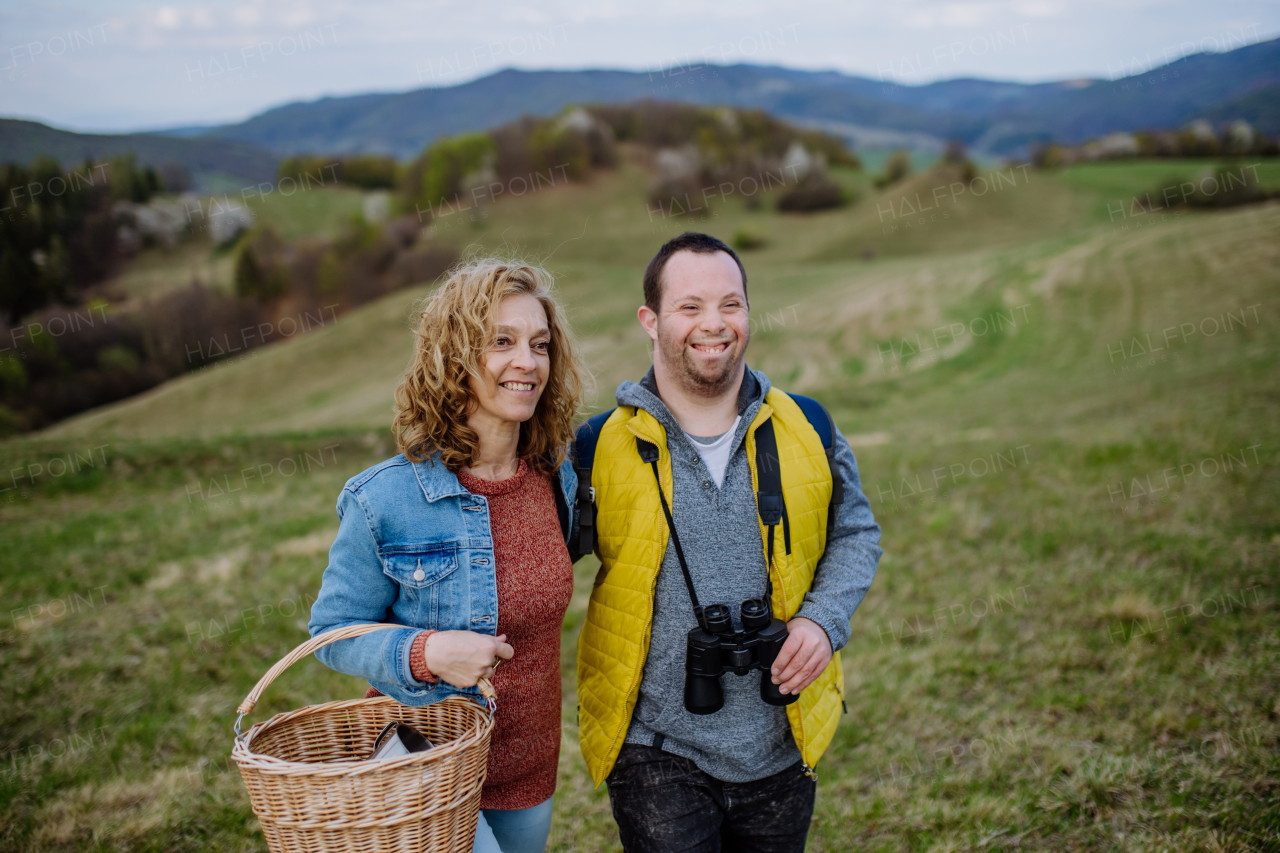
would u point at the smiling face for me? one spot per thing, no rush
(701, 328)
(516, 365)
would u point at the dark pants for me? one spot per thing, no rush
(663, 802)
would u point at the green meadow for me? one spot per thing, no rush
(1066, 419)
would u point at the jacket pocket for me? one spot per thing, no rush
(424, 574)
(418, 567)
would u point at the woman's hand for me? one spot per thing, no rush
(462, 658)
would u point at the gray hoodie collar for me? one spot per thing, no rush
(644, 395)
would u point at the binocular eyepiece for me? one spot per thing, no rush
(715, 648)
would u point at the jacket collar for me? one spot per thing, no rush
(436, 480)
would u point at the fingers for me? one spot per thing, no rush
(502, 648)
(783, 660)
(800, 663)
(808, 673)
(796, 651)
(809, 657)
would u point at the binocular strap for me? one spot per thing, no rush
(649, 453)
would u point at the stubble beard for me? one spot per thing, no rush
(685, 369)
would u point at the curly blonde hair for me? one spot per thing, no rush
(456, 324)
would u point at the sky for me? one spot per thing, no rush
(112, 66)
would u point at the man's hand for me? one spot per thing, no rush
(804, 656)
(462, 658)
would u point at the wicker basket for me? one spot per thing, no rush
(314, 791)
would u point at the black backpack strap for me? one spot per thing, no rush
(562, 509)
(769, 500)
(584, 454)
(823, 424)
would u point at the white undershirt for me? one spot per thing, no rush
(716, 454)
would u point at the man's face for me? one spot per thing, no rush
(701, 328)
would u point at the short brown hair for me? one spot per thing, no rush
(689, 241)
(434, 399)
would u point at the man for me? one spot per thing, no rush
(740, 778)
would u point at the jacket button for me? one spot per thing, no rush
(706, 484)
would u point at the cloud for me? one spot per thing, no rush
(525, 15)
(970, 15)
(1039, 8)
(167, 18)
(954, 15)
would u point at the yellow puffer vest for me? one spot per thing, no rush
(632, 539)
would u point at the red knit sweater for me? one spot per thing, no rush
(535, 583)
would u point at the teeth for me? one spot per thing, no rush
(518, 386)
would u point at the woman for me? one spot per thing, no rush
(461, 538)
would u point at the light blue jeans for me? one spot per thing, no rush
(514, 830)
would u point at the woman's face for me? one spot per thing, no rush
(516, 365)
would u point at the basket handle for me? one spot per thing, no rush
(319, 642)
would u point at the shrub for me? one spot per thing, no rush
(441, 174)
(9, 423)
(1227, 187)
(1050, 157)
(257, 273)
(895, 169)
(956, 155)
(367, 171)
(745, 241)
(816, 192)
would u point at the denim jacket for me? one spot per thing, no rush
(414, 548)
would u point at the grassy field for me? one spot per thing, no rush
(1066, 421)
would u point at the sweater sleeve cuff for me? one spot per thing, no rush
(824, 620)
(418, 658)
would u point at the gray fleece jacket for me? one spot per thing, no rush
(719, 529)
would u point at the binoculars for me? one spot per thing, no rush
(715, 648)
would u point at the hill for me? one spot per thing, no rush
(210, 162)
(1065, 420)
(997, 117)
(341, 377)
(1169, 96)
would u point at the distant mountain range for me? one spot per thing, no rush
(210, 160)
(993, 118)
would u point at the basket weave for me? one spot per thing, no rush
(314, 791)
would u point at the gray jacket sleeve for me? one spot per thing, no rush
(845, 571)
